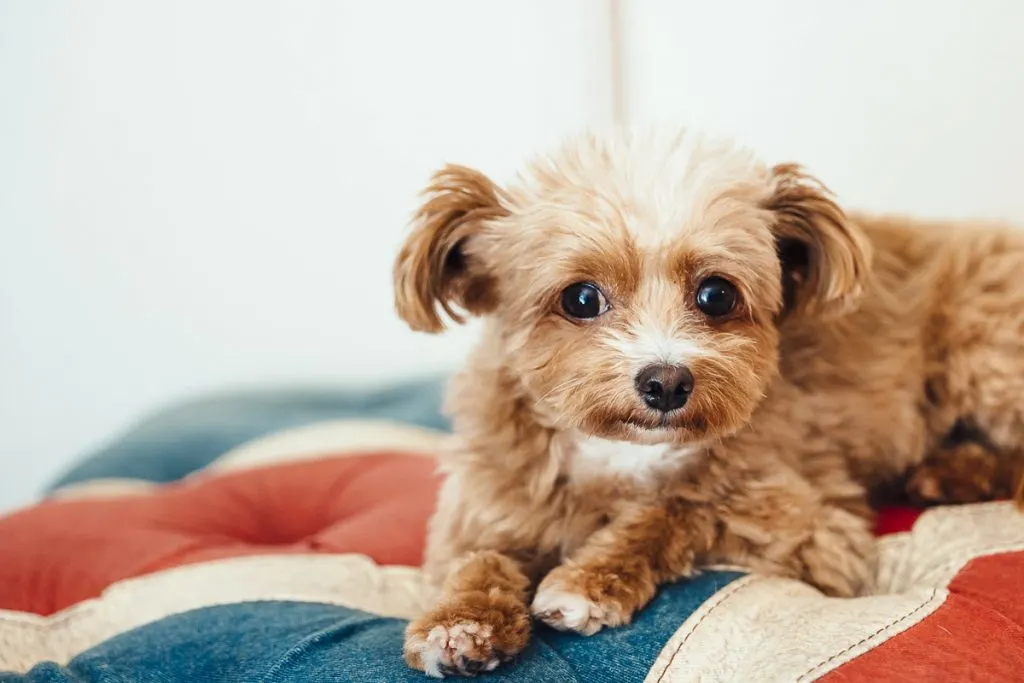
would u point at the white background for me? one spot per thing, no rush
(207, 194)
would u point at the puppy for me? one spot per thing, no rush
(688, 357)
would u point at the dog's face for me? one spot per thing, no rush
(636, 281)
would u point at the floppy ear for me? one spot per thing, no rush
(434, 272)
(826, 259)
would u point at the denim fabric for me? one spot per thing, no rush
(291, 642)
(176, 441)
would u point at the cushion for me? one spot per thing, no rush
(292, 556)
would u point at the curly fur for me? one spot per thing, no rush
(858, 346)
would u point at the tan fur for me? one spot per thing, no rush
(859, 344)
(430, 271)
(965, 473)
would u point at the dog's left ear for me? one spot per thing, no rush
(826, 259)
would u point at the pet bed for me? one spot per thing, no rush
(274, 538)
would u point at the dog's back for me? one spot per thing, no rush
(936, 343)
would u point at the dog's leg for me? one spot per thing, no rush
(481, 619)
(964, 473)
(618, 569)
(976, 380)
(774, 522)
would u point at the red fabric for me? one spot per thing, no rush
(977, 634)
(61, 552)
(896, 520)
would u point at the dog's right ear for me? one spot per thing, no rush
(434, 274)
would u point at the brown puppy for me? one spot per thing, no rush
(688, 357)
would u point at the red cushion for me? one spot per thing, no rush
(61, 552)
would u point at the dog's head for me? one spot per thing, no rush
(637, 280)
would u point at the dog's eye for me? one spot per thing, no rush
(716, 297)
(583, 300)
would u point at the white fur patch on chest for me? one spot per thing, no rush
(596, 458)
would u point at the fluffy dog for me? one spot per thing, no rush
(689, 357)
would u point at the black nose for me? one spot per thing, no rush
(665, 387)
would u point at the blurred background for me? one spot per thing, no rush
(204, 195)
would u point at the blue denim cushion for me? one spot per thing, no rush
(176, 441)
(293, 642)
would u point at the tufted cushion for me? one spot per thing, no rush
(336, 505)
(292, 557)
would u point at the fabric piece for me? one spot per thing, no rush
(59, 553)
(896, 519)
(182, 439)
(352, 581)
(954, 561)
(322, 440)
(330, 439)
(306, 642)
(978, 631)
(945, 539)
(776, 629)
(976, 634)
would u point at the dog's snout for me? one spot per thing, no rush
(665, 387)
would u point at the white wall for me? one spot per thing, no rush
(898, 105)
(200, 194)
(203, 194)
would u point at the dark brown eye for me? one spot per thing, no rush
(716, 297)
(583, 300)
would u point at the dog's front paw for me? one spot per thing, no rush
(461, 649)
(840, 557)
(573, 598)
(466, 636)
(573, 612)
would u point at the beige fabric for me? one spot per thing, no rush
(770, 629)
(945, 539)
(319, 440)
(104, 488)
(325, 439)
(349, 580)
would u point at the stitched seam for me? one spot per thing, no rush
(865, 639)
(725, 595)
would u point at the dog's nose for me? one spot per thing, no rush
(665, 387)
